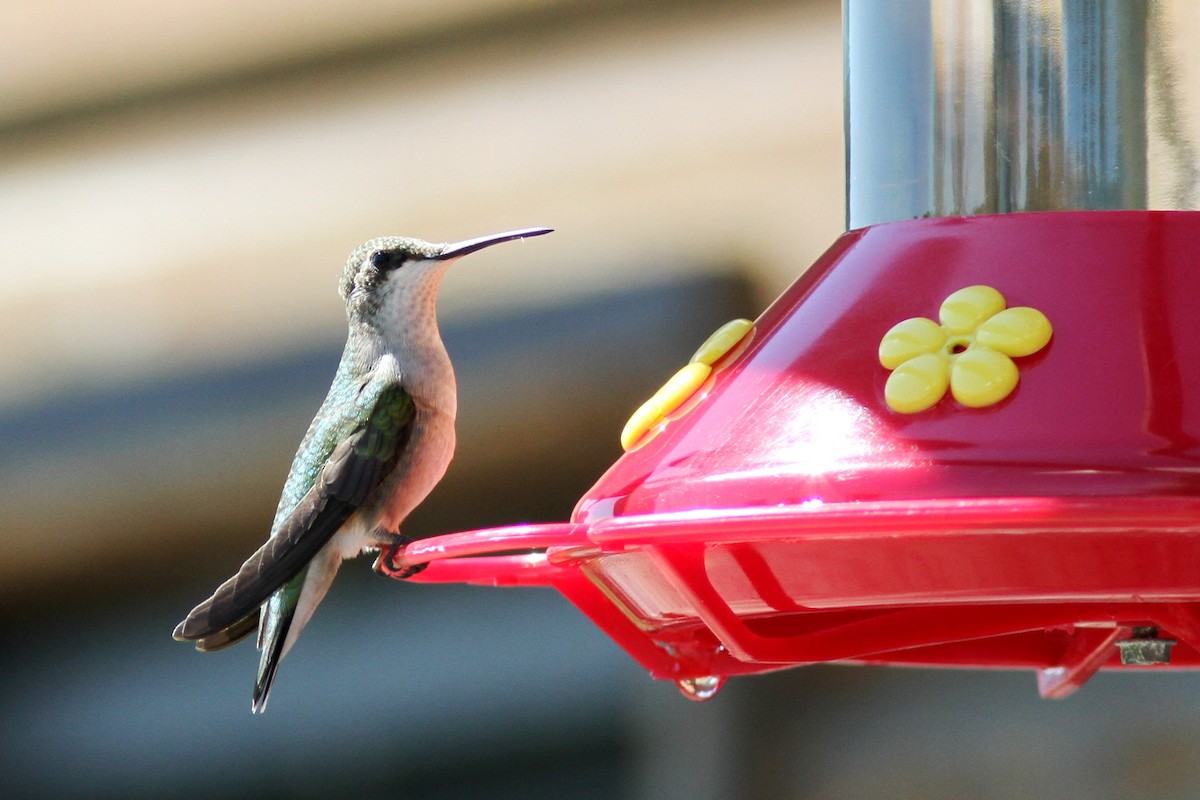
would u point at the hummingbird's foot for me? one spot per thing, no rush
(391, 564)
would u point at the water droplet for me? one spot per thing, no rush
(702, 688)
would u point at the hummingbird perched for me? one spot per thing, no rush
(379, 443)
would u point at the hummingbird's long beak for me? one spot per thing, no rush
(471, 245)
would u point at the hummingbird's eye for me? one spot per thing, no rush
(381, 260)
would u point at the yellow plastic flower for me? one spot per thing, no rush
(970, 352)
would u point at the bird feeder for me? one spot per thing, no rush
(969, 434)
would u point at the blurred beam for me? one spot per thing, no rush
(76, 58)
(84, 54)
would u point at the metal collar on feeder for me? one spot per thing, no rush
(969, 434)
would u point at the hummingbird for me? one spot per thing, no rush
(380, 442)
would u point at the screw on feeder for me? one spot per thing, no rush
(1145, 648)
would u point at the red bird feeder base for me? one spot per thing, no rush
(967, 442)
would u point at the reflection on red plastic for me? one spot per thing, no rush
(791, 517)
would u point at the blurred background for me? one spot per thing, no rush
(180, 184)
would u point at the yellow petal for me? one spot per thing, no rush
(1015, 332)
(909, 339)
(682, 385)
(967, 308)
(724, 339)
(917, 384)
(982, 376)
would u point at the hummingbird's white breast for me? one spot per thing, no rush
(411, 344)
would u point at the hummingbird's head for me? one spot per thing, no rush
(394, 279)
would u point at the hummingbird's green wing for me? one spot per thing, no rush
(372, 433)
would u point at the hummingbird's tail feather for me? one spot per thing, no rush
(316, 518)
(231, 635)
(286, 615)
(272, 632)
